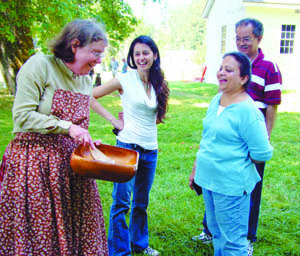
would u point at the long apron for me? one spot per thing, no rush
(46, 208)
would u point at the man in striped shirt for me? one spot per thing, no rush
(265, 89)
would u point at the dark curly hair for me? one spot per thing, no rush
(244, 65)
(156, 76)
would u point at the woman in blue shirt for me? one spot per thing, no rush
(234, 137)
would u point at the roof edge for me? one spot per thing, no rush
(209, 4)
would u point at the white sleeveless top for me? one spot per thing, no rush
(139, 112)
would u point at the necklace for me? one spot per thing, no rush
(146, 84)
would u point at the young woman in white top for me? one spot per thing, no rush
(144, 95)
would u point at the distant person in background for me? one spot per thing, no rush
(234, 137)
(91, 74)
(114, 66)
(98, 80)
(144, 94)
(45, 207)
(125, 66)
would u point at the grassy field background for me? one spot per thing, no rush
(175, 213)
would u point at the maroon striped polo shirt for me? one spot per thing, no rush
(266, 82)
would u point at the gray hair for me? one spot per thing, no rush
(258, 28)
(85, 31)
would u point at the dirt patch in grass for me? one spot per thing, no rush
(290, 102)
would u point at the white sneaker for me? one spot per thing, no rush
(203, 237)
(250, 248)
(150, 251)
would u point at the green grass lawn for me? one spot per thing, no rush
(175, 213)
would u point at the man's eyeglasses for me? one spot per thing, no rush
(246, 39)
(96, 54)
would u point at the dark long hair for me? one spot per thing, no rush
(156, 76)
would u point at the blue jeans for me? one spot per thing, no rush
(254, 207)
(121, 238)
(227, 220)
(205, 227)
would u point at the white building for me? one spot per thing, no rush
(280, 43)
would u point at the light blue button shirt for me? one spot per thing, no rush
(223, 162)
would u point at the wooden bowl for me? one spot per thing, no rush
(122, 170)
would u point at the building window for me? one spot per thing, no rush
(223, 39)
(287, 39)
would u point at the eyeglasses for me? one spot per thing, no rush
(246, 39)
(96, 54)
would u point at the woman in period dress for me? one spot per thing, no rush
(45, 208)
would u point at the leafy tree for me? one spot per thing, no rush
(27, 25)
(187, 28)
(179, 28)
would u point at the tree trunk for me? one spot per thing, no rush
(13, 55)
